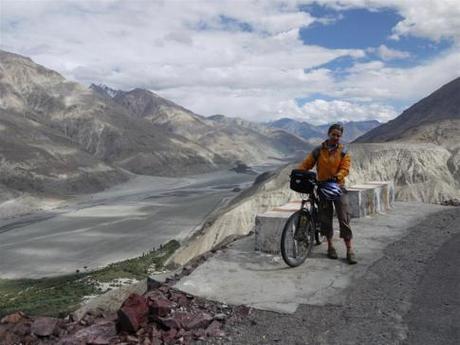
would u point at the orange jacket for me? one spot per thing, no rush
(328, 165)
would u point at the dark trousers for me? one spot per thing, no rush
(341, 209)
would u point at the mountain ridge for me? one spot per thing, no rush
(435, 118)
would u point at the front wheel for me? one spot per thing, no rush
(297, 238)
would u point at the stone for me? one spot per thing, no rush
(133, 313)
(103, 329)
(44, 326)
(22, 328)
(98, 340)
(199, 321)
(169, 336)
(214, 330)
(13, 318)
(243, 310)
(160, 307)
(220, 317)
(199, 334)
(153, 284)
(169, 322)
(132, 338)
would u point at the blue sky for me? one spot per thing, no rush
(318, 61)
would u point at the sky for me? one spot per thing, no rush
(316, 61)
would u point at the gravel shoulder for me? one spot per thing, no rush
(389, 304)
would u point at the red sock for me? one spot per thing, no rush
(329, 242)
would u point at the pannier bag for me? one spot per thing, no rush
(302, 181)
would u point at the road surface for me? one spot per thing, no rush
(409, 296)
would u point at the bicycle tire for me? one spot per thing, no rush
(300, 248)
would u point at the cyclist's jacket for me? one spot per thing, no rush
(329, 164)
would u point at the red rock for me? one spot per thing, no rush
(133, 313)
(199, 321)
(198, 334)
(183, 301)
(164, 288)
(13, 318)
(103, 330)
(44, 326)
(242, 310)
(169, 323)
(169, 336)
(10, 338)
(214, 330)
(22, 328)
(154, 294)
(98, 340)
(132, 338)
(161, 307)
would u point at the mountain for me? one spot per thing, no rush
(99, 126)
(234, 139)
(434, 119)
(315, 134)
(65, 138)
(300, 128)
(353, 129)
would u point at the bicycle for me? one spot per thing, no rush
(301, 230)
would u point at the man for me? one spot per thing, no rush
(333, 163)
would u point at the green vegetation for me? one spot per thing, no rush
(58, 296)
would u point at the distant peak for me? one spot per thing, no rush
(105, 90)
(141, 92)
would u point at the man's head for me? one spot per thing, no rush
(335, 132)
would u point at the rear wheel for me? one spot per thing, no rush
(297, 238)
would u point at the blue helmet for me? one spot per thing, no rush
(329, 190)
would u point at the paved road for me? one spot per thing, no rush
(409, 296)
(113, 225)
(434, 317)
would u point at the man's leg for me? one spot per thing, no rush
(325, 216)
(341, 208)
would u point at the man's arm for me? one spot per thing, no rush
(308, 163)
(344, 168)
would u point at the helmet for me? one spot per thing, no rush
(329, 190)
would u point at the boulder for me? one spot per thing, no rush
(133, 313)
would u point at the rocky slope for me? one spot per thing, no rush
(419, 171)
(97, 126)
(238, 218)
(232, 138)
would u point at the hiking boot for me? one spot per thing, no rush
(351, 258)
(332, 253)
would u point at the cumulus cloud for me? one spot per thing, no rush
(223, 57)
(386, 53)
(321, 111)
(435, 20)
(377, 82)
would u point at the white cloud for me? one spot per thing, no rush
(374, 81)
(236, 58)
(386, 53)
(433, 19)
(321, 111)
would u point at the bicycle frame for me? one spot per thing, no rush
(312, 211)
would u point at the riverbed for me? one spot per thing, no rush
(119, 223)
